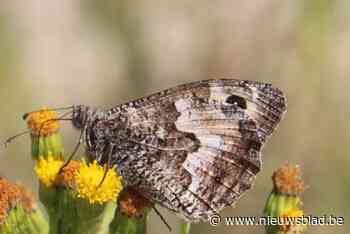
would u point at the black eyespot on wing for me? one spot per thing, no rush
(237, 100)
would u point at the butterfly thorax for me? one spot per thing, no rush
(81, 115)
(102, 131)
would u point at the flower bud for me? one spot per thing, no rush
(284, 202)
(45, 136)
(18, 213)
(132, 213)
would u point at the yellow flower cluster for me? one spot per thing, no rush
(88, 181)
(84, 178)
(70, 186)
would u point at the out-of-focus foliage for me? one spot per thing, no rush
(102, 53)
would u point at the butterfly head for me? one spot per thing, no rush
(80, 116)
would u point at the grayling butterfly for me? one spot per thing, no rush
(194, 148)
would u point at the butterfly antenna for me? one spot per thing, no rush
(25, 116)
(74, 152)
(8, 140)
(161, 217)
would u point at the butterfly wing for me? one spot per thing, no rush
(196, 148)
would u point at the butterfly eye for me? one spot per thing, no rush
(237, 100)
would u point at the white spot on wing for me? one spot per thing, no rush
(182, 105)
(161, 132)
(194, 186)
(218, 93)
(252, 109)
(214, 141)
(254, 93)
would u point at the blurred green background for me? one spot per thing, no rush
(103, 53)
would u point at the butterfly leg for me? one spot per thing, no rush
(161, 217)
(108, 165)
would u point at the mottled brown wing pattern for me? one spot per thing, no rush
(196, 148)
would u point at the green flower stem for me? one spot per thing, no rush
(19, 221)
(44, 146)
(71, 215)
(94, 218)
(278, 204)
(122, 224)
(185, 228)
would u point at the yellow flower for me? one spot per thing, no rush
(289, 218)
(88, 181)
(294, 213)
(43, 122)
(47, 169)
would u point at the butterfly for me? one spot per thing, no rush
(194, 149)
